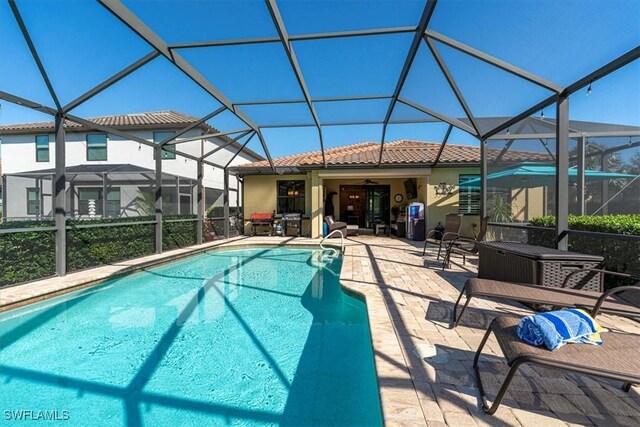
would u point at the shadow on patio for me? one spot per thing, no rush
(419, 301)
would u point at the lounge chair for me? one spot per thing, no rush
(617, 359)
(465, 246)
(451, 232)
(558, 297)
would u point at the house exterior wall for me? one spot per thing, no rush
(527, 203)
(260, 195)
(439, 206)
(18, 153)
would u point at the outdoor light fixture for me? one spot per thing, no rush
(444, 189)
(508, 131)
(542, 113)
(589, 88)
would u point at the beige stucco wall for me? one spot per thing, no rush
(439, 206)
(527, 203)
(260, 196)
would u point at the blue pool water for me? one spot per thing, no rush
(238, 337)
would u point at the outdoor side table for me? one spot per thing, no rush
(381, 227)
(522, 263)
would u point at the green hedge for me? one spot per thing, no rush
(92, 247)
(619, 255)
(28, 256)
(179, 234)
(218, 211)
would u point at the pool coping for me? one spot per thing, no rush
(398, 396)
(15, 296)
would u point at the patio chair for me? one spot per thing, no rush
(451, 232)
(617, 359)
(465, 246)
(336, 225)
(558, 297)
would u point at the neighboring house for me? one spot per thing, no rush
(108, 176)
(364, 192)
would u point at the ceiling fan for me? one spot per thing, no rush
(369, 182)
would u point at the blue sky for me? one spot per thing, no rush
(559, 40)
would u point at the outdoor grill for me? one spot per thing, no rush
(264, 219)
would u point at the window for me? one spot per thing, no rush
(97, 146)
(469, 196)
(33, 201)
(291, 197)
(90, 201)
(42, 148)
(158, 137)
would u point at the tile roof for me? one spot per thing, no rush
(165, 119)
(402, 152)
(153, 118)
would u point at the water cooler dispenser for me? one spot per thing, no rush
(415, 221)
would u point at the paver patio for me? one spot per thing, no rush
(417, 297)
(409, 300)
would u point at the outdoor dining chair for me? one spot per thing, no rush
(451, 232)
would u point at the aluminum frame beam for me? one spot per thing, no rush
(194, 125)
(503, 65)
(34, 52)
(295, 65)
(444, 142)
(442, 117)
(452, 84)
(313, 100)
(427, 13)
(582, 142)
(608, 68)
(127, 17)
(225, 145)
(111, 81)
(205, 136)
(126, 135)
(59, 196)
(297, 37)
(158, 194)
(200, 202)
(14, 99)
(562, 172)
(239, 150)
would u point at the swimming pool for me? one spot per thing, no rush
(260, 336)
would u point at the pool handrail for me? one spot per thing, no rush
(329, 235)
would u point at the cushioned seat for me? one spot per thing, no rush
(336, 225)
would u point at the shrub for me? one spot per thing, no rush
(218, 211)
(30, 255)
(619, 255)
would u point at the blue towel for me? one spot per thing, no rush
(557, 328)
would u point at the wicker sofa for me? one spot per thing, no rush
(336, 225)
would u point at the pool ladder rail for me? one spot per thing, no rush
(329, 235)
